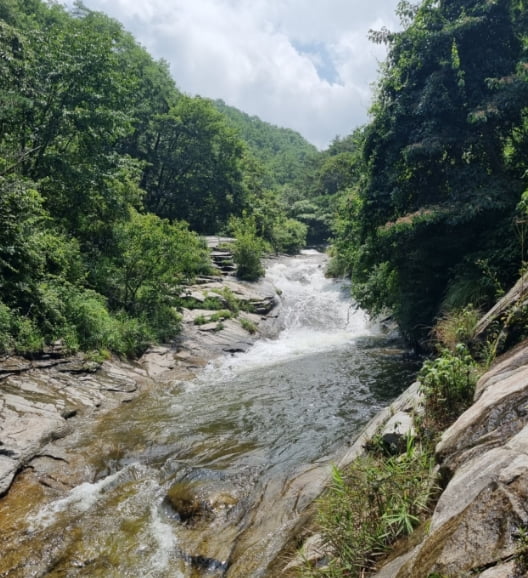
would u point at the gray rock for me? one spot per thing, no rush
(500, 411)
(38, 400)
(474, 527)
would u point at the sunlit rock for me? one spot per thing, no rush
(477, 523)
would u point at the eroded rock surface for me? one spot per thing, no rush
(477, 523)
(39, 399)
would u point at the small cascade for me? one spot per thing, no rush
(208, 478)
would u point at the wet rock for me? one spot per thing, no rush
(394, 435)
(213, 338)
(400, 424)
(40, 398)
(506, 570)
(8, 469)
(185, 502)
(407, 403)
(263, 306)
(510, 306)
(500, 411)
(203, 500)
(314, 552)
(222, 501)
(477, 519)
(206, 564)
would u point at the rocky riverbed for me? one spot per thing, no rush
(46, 399)
(479, 526)
(47, 405)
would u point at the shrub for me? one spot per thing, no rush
(28, 337)
(94, 325)
(248, 325)
(133, 336)
(289, 236)
(229, 299)
(368, 506)
(6, 320)
(456, 327)
(247, 249)
(447, 383)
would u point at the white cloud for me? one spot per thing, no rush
(303, 64)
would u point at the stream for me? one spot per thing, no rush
(207, 478)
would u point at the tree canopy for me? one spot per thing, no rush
(108, 175)
(430, 218)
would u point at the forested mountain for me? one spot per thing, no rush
(436, 218)
(284, 154)
(108, 173)
(295, 175)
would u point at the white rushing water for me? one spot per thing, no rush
(316, 314)
(249, 434)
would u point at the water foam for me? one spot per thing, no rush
(80, 499)
(166, 540)
(316, 315)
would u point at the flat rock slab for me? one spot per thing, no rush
(38, 400)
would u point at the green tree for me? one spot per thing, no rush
(248, 248)
(193, 170)
(439, 188)
(153, 259)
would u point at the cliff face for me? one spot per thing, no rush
(480, 524)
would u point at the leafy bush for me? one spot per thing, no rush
(248, 325)
(133, 337)
(456, 327)
(447, 383)
(248, 249)
(368, 506)
(94, 327)
(6, 319)
(28, 337)
(229, 299)
(153, 258)
(289, 236)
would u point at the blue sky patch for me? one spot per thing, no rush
(319, 54)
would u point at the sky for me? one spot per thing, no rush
(301, 64)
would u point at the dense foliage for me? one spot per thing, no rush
(283, 153)
(429, 225)
(108, 174)
(368, 506)
(278, 166)
(102, 157)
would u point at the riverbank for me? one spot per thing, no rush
(46, 399)
(209, 476)
(478, 524)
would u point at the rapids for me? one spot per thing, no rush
(209, 477)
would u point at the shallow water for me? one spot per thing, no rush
(207, 477)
